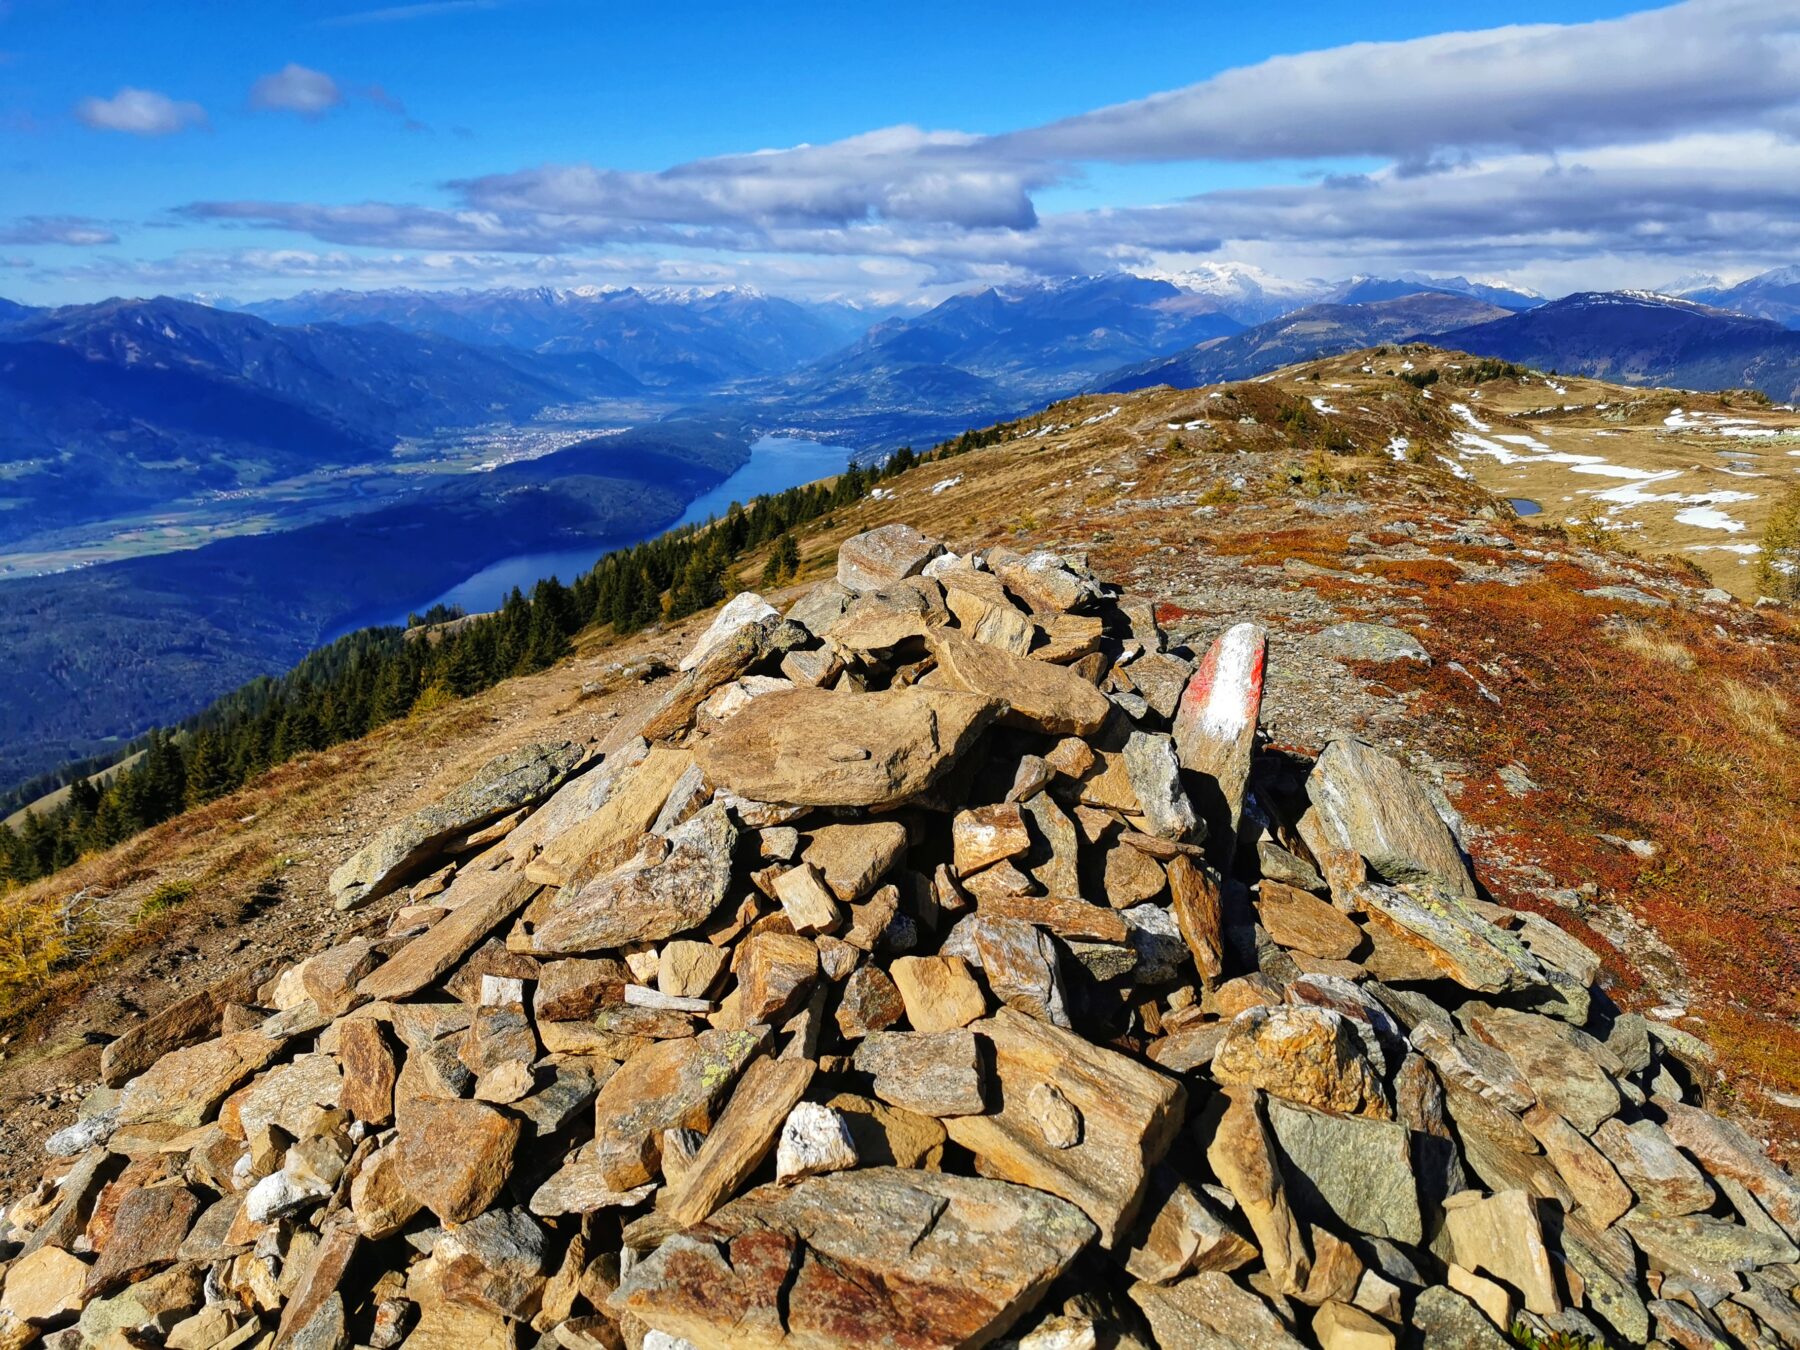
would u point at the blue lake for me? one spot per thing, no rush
(776, 463)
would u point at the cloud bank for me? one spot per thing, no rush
(1660, 138)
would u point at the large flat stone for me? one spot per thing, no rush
(1368, 801)
(669, 1085)
(186, 1086)
(648, 898)
(1452, 940)
(873, 1259)
(1126, 1116)
(1354, 1172)
(810, 747)
(517, 778)
(1039, 696)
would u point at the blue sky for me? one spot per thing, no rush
(269, 147)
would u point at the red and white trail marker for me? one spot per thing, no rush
(1215, 728)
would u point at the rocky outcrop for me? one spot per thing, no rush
(939, 970)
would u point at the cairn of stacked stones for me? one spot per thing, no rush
(944, 964)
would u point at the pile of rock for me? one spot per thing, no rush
(944, 963)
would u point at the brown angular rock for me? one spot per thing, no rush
(1591, 1179)
(1242, 1156)
(984, 835)
(489, 899)
(1661, 1177)
(933, 1073)
(938, 991)
(654, 896)
(1211, 1310)
(517, 778)
(151, 1222)
(1563, 1076)
(1128, 1116)
(186, 1086)
(871, 1257)
(1727, 1153)
(806, 901)
(668, 1085)
(454, 1156)
(1194, 897)
(775, 973)
(44, 1287)
(870, 1002)
(687, 969)
(743, 1136)
(854, 858)
(1305, 923)
(1039, 696)
(568, 991)
(811, 747)
(1499, 1234)
(1180, 1231)
(601, 838)
(882, 556)
(1450, 937)
(1307, 1055)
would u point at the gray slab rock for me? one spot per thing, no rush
(517, 778)
(1370, 802)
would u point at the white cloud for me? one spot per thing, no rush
(140, 112)
(78, 231)
(297, 89)
(1664, 136)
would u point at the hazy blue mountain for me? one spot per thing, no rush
(1304, 335)
(670, 340)
(1365, 290)
(12, 312)
(1639, 337)
(134, 403)
(1772, 295)
(988, 354)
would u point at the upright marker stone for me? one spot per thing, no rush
(1215, 729)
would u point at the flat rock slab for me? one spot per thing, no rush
(186, 1086)
(669, 1085)
(810, 747)
(1368, 801)
(518, 778)
(1125, 1117)
(1565, 1078)
(1350, 1171)
(1454, 942)
(647, 899)
(1372, 642)
(1210, 1311)
(877, 1259)
(882, 556)
(1040, 696)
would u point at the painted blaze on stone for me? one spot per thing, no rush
(1215, 727)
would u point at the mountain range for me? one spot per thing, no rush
(1772, 295)
(1304, 335)
(671, 340)
(1639, 337)
(132, 404)
(112, 412)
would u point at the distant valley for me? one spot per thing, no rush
(196, 494)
